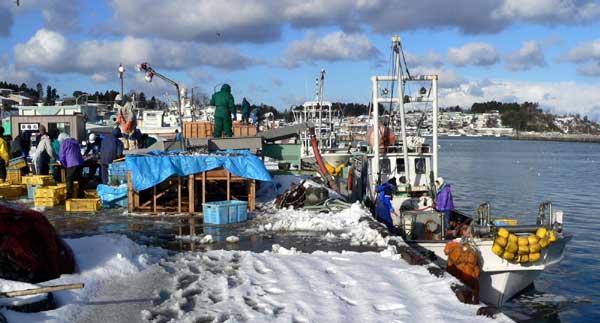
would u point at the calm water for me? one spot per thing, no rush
(515, 176)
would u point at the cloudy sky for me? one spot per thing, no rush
(271, 51)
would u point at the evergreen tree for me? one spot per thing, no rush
(40, 91)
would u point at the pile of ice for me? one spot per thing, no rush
(351, 224)
(288, 286)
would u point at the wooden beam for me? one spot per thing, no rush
(203, 189)
(191, 196)
(179, 194)
(154, 198)
(130, 199)
(252, 195)
(228, 186)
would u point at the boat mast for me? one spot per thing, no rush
(434, 83)
(400, 80)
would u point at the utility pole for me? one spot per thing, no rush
(121, 71)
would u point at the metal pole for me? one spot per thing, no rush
(435, 126)
(122, 85)
(375, 167)
(398, 72)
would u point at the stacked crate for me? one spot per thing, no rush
(50, 196)
(13, 170)
(11, 190)
(34, 182)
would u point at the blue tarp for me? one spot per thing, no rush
(111, 193)
(148, 171)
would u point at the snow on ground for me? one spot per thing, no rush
(350, 223)
(9, 286)
(287, 286)
(102, 260)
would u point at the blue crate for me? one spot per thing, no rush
(118, 203)
(225, 212)
(117, 169)
(31, 191)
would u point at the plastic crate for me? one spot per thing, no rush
(46, 202)
(118, 203)
(90, 193)
(118, 169)
(13, 176)
(83, 205)
(44, 180)
(31, 191)
(51, 192)
(225, 212)
(17, 163)
(12, 190)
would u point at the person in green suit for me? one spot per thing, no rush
(245, 111)
(225, 107)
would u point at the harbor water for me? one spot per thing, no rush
(515, 177)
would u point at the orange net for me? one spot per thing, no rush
(464, 263)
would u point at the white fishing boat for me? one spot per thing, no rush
(414, 165)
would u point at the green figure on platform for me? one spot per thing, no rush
(225, 106)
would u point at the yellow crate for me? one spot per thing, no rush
(90, 193)
(83, 205)
(12, 191)
(43, 180)
(13, 176)
(17, 165)
(56, 192)
(46, 202)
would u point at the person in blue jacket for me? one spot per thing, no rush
(112, 148)
(383, 207)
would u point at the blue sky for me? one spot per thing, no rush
(270, 51)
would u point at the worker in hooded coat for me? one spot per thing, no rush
(112, 148)
(444, 202)
(225, 107)
(126, 118)
(245, 111)
(43, 153)
(383, 207)
(71, 159)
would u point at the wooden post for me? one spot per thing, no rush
(179, 194)
(203, 188)
(191, 194)
(252, 195)
(228, 186)
(130, 199)
(154, 200)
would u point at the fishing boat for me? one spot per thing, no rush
(414, 166)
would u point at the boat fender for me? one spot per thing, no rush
(551, 236)
(535, 248)
(533, 239)
(508, 255)
(544, 243)
(523, 241)
(497, 249)
(501, 241)
(533, 257)
(541, 232)
(512, 248)
(523, 258)
(512, 238)
(502, 232)
(523, 250)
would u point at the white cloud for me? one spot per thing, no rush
(59, 15)
(260, 21)
(589, 69)
(331, 47)
(552, 96)
(480, 54)
(51, 51)
(201, 20)
(10, 73)
(583, 52)
(528, 56)
(431, 58)
(448, 78)
(548, 11)
(100, 77)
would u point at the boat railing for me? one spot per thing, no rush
(542, 219)
(484, 214)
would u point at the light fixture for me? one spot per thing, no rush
(149, 76)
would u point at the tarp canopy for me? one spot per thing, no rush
(150, 170)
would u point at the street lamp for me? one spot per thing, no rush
(121, 71)
(150, 73)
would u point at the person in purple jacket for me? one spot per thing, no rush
(444, 202)
(71, 159)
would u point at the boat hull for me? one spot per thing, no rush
(501, 280)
